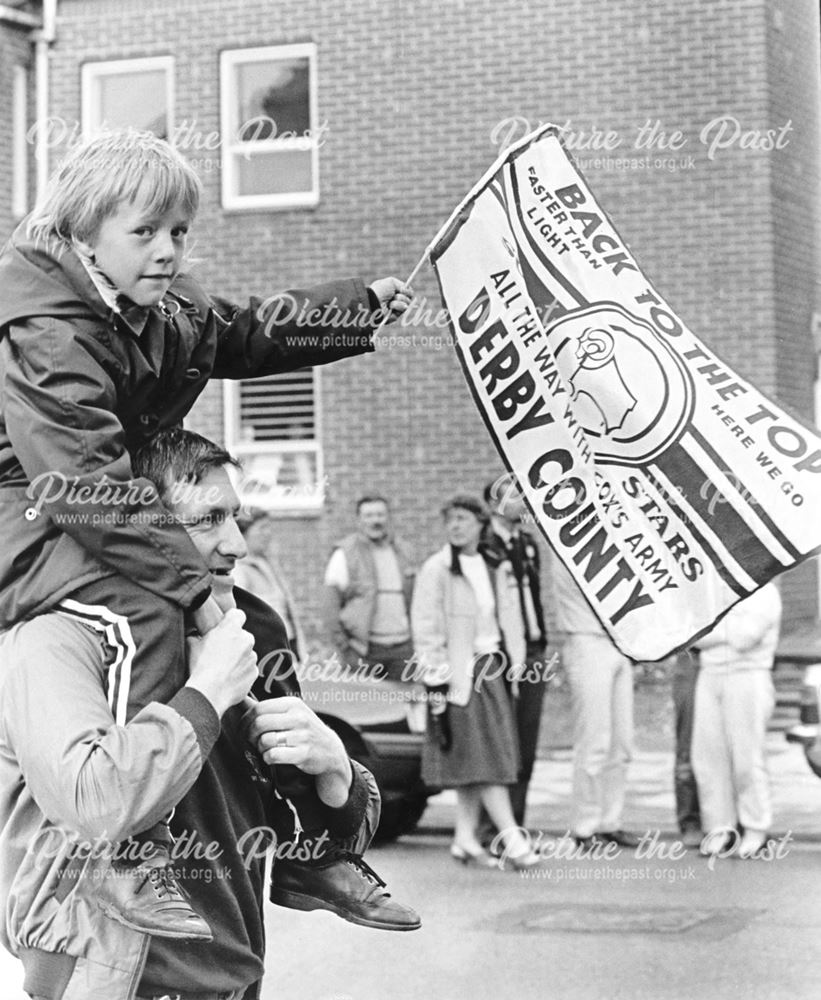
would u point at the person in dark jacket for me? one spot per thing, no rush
(87, 782)
(103, 343)
(506, 538)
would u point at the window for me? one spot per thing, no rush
(19, 111)
(270, 140)
(129, 92)
(272, 424)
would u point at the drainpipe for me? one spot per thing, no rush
(817, 392)
(43, 33)
(42, 44)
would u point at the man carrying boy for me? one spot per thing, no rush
(104, 780)
(328, 879)
(104, 343)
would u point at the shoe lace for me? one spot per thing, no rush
(362, 865)
(163, 883)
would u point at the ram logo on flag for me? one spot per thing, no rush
(669, 486)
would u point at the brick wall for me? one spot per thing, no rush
(793, 71)
(414, 96)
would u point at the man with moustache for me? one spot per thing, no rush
(368, 588)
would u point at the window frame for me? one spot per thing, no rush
(231, 200)
(294, 503)
(19, 142)
(92, 72)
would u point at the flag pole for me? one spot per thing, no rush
(474, 191)
(422, 261)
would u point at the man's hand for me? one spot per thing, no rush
(222, 664)
(286, 731)
(394, 296)
(207, 616)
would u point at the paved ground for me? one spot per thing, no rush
(632, 928)
(626, 929)
(650, 801)
(754, 927)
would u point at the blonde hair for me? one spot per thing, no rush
(102, 173)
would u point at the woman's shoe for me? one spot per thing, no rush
(524, 861)
(478, 859)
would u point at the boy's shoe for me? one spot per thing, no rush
(146, 897)
(345, 884)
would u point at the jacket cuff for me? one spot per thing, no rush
(193, 706)
(199, 599)
(364, 293)
(373, 300)
(346, 820)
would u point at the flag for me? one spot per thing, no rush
(669, 486)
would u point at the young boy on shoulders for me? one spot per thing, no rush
(104, 342)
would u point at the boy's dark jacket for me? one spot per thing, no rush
(81, 386)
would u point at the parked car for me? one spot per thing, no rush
(807, 731)
(371, 719)
(801, 649)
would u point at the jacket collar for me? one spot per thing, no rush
(134, 316)
(64, 282)
(388, 543)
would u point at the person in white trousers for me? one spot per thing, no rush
(734, 701)
(601, 690)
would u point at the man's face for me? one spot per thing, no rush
(208, 510)
(511, 509)
(140, 251)
(506, 500)
(373, 520)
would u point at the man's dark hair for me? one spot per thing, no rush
(496, 490)
(371, 498)
(178, 455)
